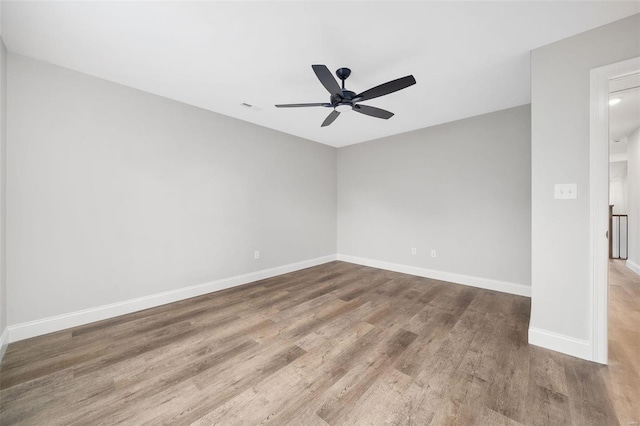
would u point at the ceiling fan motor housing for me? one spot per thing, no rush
(345, 99)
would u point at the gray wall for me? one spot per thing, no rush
(633, 178)
(560, 93)
(461, 188)
(113, 194)
(3, 145)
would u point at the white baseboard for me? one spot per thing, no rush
(4, 342)
(561, 343)
(633, 266)
(486, 283)
(86, 316)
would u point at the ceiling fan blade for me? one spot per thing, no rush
(302, 105)
(386, 88)
(373, 111)
(327, 79)
(330, 118)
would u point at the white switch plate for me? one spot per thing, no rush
(565, 191)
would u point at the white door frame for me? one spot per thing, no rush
(599, 200)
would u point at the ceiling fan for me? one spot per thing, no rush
(344, 100)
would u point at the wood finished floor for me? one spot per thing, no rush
(622, 377)
(335, 344)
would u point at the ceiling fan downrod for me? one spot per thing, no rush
(343, 74)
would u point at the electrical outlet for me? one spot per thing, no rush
(414, 251)
(433, 253)
(256, 254)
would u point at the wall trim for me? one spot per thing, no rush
(61, 322)
(486, 283)
(4, 342)
(633, 266)
(561, 343)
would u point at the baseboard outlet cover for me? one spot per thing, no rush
(486, 283)
(561, 343)
(4, 342)
(633, 266)
(61, 322)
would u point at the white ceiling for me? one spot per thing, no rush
(468, 58)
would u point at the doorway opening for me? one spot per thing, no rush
(604, 80)
(624, 121)
(624, 221)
